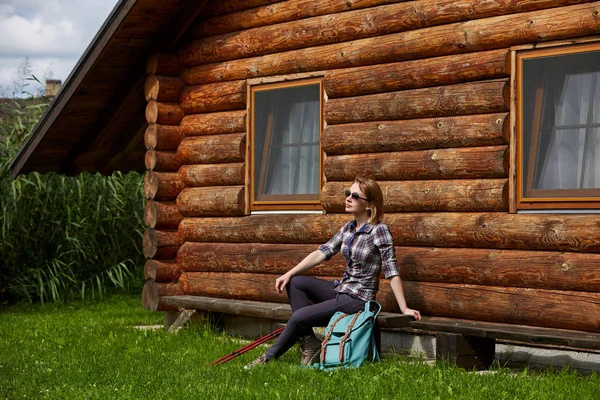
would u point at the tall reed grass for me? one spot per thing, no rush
(64, 237)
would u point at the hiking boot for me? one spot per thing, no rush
(259, 361)
(309, 346)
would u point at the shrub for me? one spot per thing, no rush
(63, 237)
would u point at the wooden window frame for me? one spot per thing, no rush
(259, 85)
(590, 198)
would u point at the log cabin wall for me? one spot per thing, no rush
(417, 96)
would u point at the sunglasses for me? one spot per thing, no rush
(355, 196)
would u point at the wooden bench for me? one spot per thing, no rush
(467, 343)
(258, 309)
(471, 344)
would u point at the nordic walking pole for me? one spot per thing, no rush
(247, 347)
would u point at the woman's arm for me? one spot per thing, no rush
(396, 284)
(310, 261)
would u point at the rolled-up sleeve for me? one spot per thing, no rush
(333, 245)
(385, 244)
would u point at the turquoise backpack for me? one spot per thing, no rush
(348, 338)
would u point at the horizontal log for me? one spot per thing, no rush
(416, 196)
(214, 97)
(460, 163)
(212, 201)
(546, 308)
(552, 232)
(443, 101)
(535, 307)
(163, 88)
(214, 123)
(277, 13)
(348, 26)
(279, 228)
(416, 134)
(509, 268)
(464, 37)
(252, 258)
(213, 149)
(229, 6)
(161, 245)
(239, 286)
(300, 33)
(163, 137)
(417, 74)
(162, 215)
(156, 160)
(229, 174)
(163, 64)
(162, 186)
(162, 271)
(163, 113)
(153, 291)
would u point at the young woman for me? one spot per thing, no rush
(367, 245)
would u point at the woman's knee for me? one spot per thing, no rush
(294, 280)
(300, 318)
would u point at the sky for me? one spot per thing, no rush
(51, 34)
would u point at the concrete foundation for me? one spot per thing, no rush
(422, 345)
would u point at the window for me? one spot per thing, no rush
(285, 145)
(558, 127)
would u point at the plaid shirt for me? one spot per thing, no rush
(367, 252)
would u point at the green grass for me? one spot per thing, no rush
(92, 351)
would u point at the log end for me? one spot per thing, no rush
(151, 88)
(152, 111)
(149, 243)
(150, 270)
(150, 137)
(150, 160)
(150, 185)
(150, 214)
(150, 296)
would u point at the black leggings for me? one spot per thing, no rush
(313, 303)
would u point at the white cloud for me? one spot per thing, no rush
(51, 33)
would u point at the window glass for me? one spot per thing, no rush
(286, 144)
(560, 117)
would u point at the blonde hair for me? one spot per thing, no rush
(373, 192)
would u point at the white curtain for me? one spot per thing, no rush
(571, 159)
(294, 161)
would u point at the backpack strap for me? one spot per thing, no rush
(348, 331)
(328, 337)
(374, 347)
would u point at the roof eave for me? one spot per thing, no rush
(87, 60)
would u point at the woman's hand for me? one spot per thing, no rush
(282, 282)
(413, 313)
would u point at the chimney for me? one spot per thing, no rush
(52, 87)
